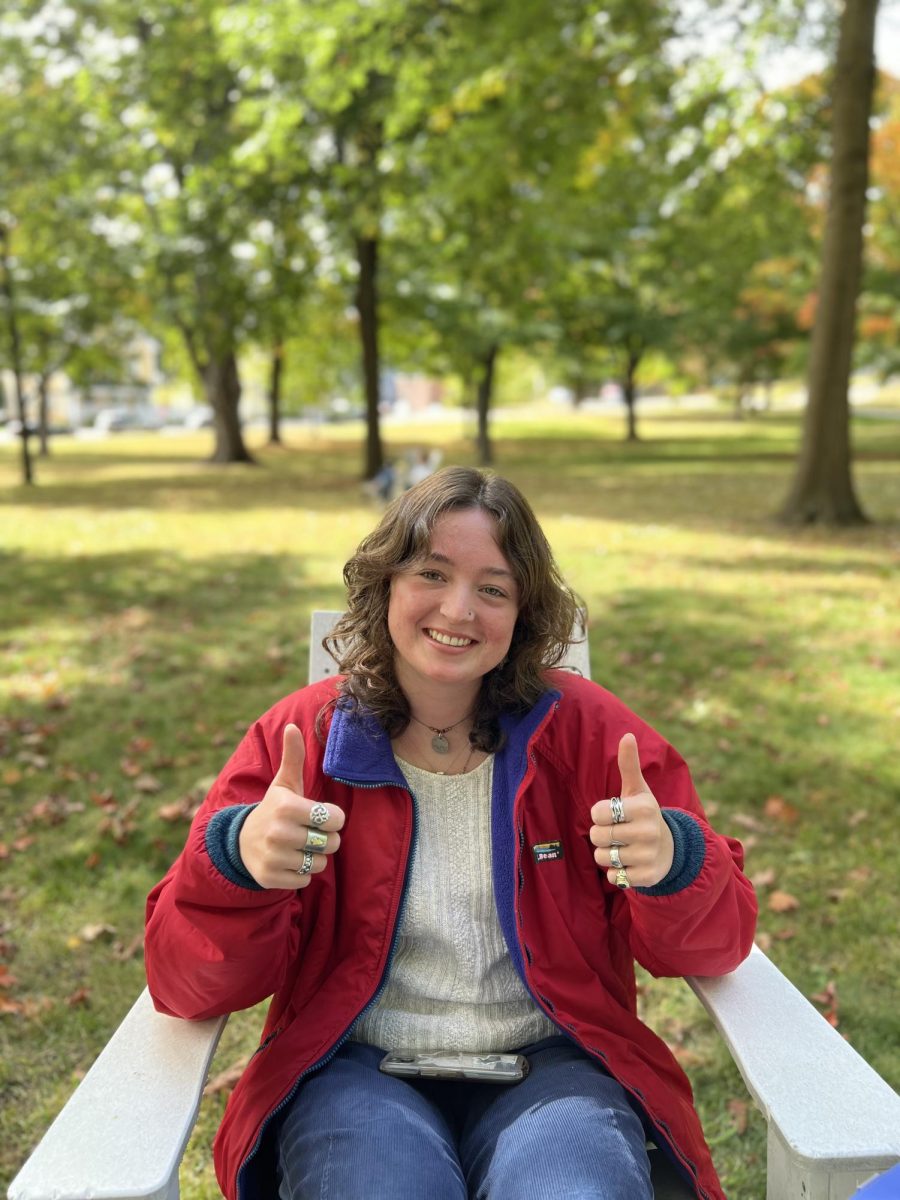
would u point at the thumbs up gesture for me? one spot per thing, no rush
(630, 832)
(286, 839)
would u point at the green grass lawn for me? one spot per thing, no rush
(151, 606)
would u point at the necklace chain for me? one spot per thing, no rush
(439, 743)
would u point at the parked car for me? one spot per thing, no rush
(201, 417)
(117, 420)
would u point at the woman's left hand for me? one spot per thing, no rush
(642, 838)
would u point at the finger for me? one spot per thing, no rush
(633, 782)
(319, 842)
(607, 835)
(613, 857)
(311, 814)
(293, 756)
(286, 874)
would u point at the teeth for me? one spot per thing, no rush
(449, 641)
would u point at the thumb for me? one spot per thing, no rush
(630, 766)
(293, 756)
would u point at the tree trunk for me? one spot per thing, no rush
(15, 349)
(629, 390)
(367, 307)
(822, 488)
(275, 378)
(483, 406)
(222, 390)
(44, 416)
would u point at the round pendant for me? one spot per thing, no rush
(439, 744)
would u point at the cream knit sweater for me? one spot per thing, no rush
(452, 984)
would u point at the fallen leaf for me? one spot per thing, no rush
(739, 1111)
(747, 822)
(225, 1081)
(778, 809)
(764, 878)
(90, 933)
(79, 997)
(781, 902)
(829, 1000)
(122, 953)
(785, 935)
(148, 784)
(7, 980)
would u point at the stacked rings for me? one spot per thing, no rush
(306, 866)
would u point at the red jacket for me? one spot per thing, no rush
(214, 946)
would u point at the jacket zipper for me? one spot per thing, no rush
(382, 983)
(543, 1005)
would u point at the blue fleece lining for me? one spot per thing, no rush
(510, 765)
(222, 845)
(690, 851)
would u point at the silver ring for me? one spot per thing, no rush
(306, 866)
(614, 858)
(618, 810)
(622, 878)
(315, 840)
(318, 814)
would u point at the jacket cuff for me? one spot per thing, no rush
(222, 835)
(690, 851)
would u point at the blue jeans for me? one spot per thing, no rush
(566, 1132)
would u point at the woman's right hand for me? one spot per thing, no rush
(280, 836)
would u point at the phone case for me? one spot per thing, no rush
(438, 1064)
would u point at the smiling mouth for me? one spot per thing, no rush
(444, 639)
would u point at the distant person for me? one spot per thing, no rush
(423, 464)
(385, 481)
(452, 848)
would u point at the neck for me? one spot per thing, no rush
(440, 706)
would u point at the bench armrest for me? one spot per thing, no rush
(124, 1130)
(829, 1113)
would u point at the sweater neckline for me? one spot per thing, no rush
(408, 766)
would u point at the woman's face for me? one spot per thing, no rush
(451, 617)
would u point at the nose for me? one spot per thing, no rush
(456, 605)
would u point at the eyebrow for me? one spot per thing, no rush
(435, 556)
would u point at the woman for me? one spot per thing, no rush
(452, 847)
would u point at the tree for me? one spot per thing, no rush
(822, 488)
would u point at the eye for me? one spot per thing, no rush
(431, 575)
(496, 592)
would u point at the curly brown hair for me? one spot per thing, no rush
(548, 609)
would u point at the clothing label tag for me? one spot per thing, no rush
(547, 851)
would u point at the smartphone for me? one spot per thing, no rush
(453, 1064)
